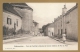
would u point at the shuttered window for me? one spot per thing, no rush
(9, 21)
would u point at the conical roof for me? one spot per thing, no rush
(21, 5)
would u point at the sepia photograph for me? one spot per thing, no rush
(40, 26)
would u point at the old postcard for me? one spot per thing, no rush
(40, 26)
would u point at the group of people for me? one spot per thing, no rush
(63, 36)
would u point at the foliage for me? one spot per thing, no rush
(7, 31)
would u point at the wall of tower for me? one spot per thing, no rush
(27, 19)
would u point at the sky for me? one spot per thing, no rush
(44, 13)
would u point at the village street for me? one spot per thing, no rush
(41, 40)
(35, 40)
(38, 23)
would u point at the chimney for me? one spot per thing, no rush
(64, 10)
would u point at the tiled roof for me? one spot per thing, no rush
(24, 4)
(61, 16)
(8, 7)
(71, 9)
(51, 25)
(21, 5)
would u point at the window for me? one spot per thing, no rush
(61, 23)
(17, 22)
(61, 31)
(9, 22)
(67, 22)
(65, 31)
(58, 31)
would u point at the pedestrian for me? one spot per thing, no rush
(64, 37)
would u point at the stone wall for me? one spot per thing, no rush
(71, 25)
(27, 18)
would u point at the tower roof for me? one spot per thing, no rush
(21, 5)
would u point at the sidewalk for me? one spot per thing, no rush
(14, 36)
(17, 37)
(68, 42)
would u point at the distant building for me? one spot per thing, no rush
(40, 30)
(67, 23)
(44, 28)
(35, 28)
(49, 29)
(17, 17)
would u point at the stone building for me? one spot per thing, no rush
(11, 20)
(17, 17)
(49, 29)
(45, 29)
(58, 26)
(35, 28)
(27, 13)
(71, 23)
(67, 23)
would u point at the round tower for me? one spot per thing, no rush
(27, 20)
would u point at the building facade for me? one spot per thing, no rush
(27, 16)
(35, 28)
(17, 18)
(11, 20)
(67, 23)
(49, 29)
(71, 23)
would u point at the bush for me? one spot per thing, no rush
(7, 31)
